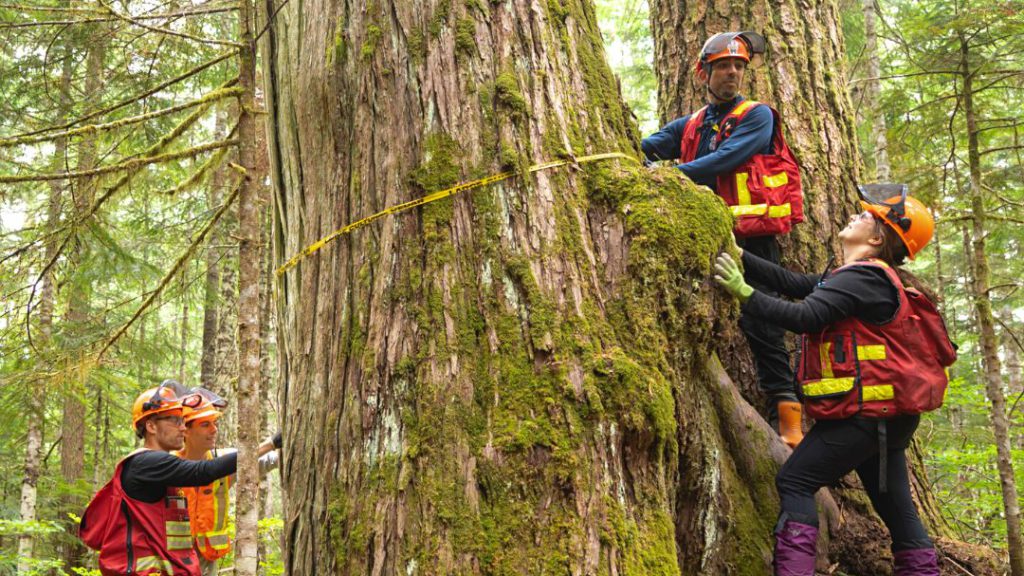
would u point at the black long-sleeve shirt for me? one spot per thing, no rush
(862, 291)
(146, 475)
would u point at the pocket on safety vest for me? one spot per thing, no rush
(766, 187)
(835, 364)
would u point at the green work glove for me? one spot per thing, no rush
(728, 274)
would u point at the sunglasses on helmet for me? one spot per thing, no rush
(158, 399)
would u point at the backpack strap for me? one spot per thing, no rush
(691, 138)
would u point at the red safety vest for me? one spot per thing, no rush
(878, 370)
(133, 537)
(763, 193)
(208, 508)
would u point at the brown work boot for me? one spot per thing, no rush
(790, 422)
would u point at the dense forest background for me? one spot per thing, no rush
(122, 138)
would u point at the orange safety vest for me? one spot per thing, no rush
(764, 193)
(208, 509)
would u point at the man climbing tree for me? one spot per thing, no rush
(728, 146)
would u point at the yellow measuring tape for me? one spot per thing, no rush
(312, 248)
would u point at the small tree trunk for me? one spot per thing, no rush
(872, 90)
(1015, 373)
(72, 447)
(987, 335)
(183, 345)
(36, 417)
(247, 506)
(211, 286)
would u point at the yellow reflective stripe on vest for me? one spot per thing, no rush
(828, 387)
(153, 563)
(179, 542)
(879, 392)
(867, 352)
(175, 528)
(220, 507)
(871, 352)
(742, 192)
(775, 180)
(780, 211)
(826, 360)
(742, 107)
(218, 541)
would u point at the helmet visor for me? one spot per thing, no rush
(720, 42)
(167, 393)
(891, 196)
(198, 394)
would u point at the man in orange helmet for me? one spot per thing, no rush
(138, 521)
(208, 505)
(735, 147)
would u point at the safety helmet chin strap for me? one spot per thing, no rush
(713, 93)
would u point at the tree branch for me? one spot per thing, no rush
(1000, 149)
(134, 98)
(127, 165)
(136, 22)
(114, 18)
(219, 94)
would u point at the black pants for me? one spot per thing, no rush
(831, 450)
(767, 340)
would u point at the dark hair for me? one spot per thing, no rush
(894, 253)
(140, 429)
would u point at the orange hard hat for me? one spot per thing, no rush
(908, 217)
(742, 45)
(159, 400)
(204, 410)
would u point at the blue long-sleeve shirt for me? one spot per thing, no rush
(751, 136)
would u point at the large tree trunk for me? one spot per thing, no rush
(519, 379)
(985, 321)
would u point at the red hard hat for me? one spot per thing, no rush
(742, 45)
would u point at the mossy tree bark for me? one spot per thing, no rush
(520, 379)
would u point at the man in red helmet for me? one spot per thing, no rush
(735, 147)
(138, 521)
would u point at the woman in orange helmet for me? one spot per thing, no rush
(860, 377)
